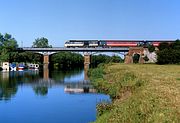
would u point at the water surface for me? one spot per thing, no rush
(40, 97)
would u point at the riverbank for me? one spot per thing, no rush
(140, 93)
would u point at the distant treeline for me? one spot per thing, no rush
(169, 53)
(102, 58)
(68, 60)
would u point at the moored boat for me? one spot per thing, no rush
(21, 67)
(13, 67)
(33, 66)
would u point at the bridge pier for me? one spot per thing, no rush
(45, 61)
(87, 61)
(46, 74)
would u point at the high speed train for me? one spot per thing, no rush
(111, 43)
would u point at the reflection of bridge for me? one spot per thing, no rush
(72, 87)
(79, 88)
(83, 86)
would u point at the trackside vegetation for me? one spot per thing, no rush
(140, 93)
(169, 53)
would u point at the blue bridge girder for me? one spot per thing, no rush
(58, 49)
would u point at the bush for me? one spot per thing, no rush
(103, 107)
(169, 53)
(151, 48)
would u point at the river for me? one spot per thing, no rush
(47, 97)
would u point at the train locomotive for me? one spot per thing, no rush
(110, 43)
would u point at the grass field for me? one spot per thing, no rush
(141, 93)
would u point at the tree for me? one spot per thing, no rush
(176, 45)
(169, 53)
(116, 59)
(151, 48)
(41, 43)
(8, 47)
(67, 60)
(163, 45)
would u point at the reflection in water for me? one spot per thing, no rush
(73, 80)
(7, 90)
(41, 90)
(46, 74)
(9, 81)
(27, 90)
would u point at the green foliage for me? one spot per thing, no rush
(151, 48)
(112, 86)
(101, 58)
(169, 53)
(163, 46)
(8, 46)
(103, 107)
(41, 43)
(67, 60)
(176, 45)
(116, 59)
(29, 57)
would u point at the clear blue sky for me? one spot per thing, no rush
(61, 20)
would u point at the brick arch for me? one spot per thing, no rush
(132, 51)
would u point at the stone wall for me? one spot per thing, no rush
(132, 51)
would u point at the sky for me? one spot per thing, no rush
(62, 20)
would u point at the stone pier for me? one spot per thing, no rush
(87, 61)
(46, 74)
(46, 61)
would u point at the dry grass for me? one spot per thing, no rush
(158, 100)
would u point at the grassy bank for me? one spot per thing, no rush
(140, 93)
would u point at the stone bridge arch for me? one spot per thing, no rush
(132, 51)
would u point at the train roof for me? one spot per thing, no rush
(80, 40)
(124, 40)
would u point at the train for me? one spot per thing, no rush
(111, 43)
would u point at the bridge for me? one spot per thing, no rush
(130, 46)
(58, 49)
(87, 52)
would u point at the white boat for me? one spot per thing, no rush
(5, 66)
(13, 67)
(33, 66)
